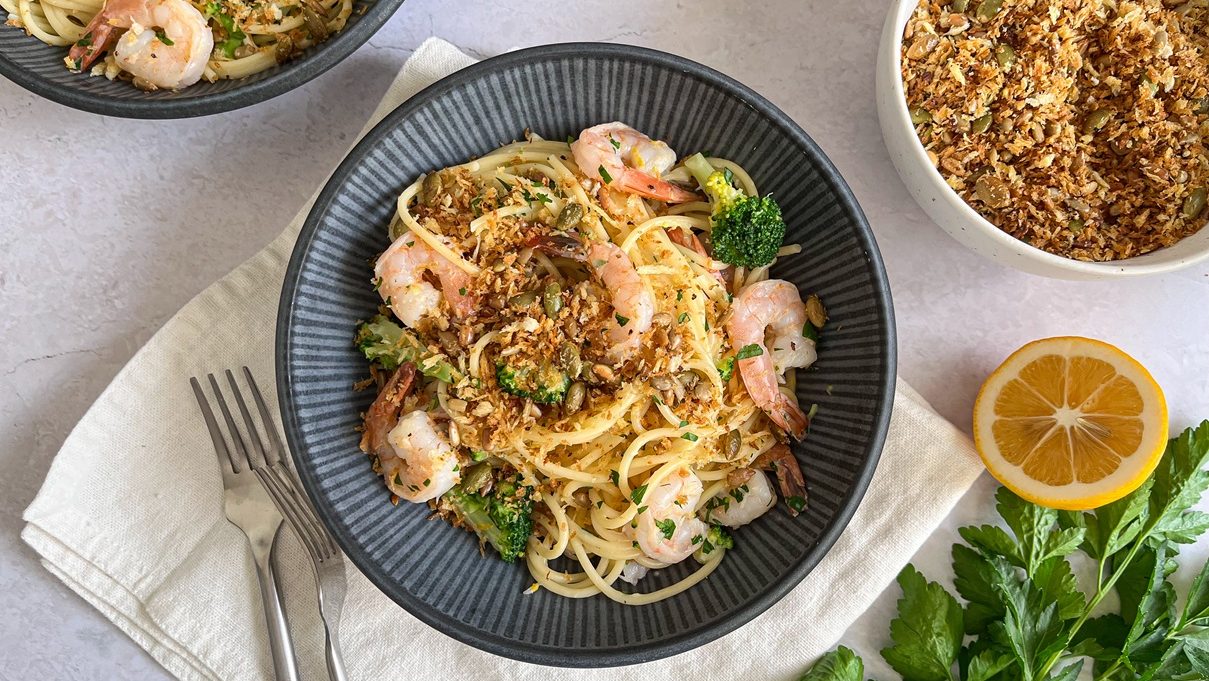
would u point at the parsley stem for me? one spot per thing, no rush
(1101, 592)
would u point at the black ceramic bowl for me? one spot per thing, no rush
(434, 570)
(39, 68)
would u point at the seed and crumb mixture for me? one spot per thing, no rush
(1076, 126)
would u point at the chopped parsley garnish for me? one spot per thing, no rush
(691, 437)
(682, 318)
(810, 332)
(507, 187)
(427, 482)
(478, 455)
(667, 526)
(749, 351)
(622, 321)
(728, 175)
(726, 368)
(637, 495)
(641, 510)
(680, 296)
(85, 41)
(462, 291)
(235, 37)
(615, 477)
(615, 143)
(658, 399)
(604, 175)
(474, 206)
(796, 503)
(163, 38)
(683, 423)
(697, 539)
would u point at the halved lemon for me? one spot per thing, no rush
(1070, 423)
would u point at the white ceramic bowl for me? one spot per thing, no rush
(956, 217)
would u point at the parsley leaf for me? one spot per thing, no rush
(840, 664)
(667, 526)
(691, 437)
(637, 494)
(927, 632)
(604, 175)
(749, 351)
(621, 321)
(163, 38)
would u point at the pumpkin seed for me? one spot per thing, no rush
(992, 191)
(987, 9)
(1096, 120)
(981, 124)
(734, 442)
(815, 312)
(568, 359)
(575, 397)
(920, 115)
(431, 189)
(569, 217)
(1006, 56)
(552, 299)
(523, 299)
(1195, 203)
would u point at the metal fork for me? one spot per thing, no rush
(325, 557)
(248, 505)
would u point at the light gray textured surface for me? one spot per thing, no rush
(108, 226)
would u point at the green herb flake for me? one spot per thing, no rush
(622, 321)
(637, 495)
(604, 175)
(613, 475)
(749, 351)
(163, 38)
(691, 437)
(682, 318)
(667, 526)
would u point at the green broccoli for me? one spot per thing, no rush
(716, 539)
(388, 344)
(746, 230)
(544, 383)
(503, 517)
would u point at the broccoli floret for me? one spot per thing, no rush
(503, 517)
(388, 344)
(716, 539)
(746, 230)
(544, 384)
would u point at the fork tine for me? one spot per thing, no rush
(220, 445)
(275, 447)
(255, 443)
(287, 508)
(322, 537)
(236, 438)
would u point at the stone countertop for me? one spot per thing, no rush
(109, 226)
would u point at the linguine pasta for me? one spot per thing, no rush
(654, 439)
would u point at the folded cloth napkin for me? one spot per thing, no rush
(130, 516)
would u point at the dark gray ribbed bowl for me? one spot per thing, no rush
(434, 570)
(39, 68)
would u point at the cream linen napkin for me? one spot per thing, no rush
(130, 516)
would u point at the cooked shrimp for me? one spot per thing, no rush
(383, 414)
(401, 283)
(772, 307)
(633, 302)
(745, 502)
(626, 159)
(420, 464)
(780, 460)
(667, 527)
(167, 44)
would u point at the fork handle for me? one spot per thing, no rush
(284, 666)
(335, 663)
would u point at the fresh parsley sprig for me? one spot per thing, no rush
(1024, 617)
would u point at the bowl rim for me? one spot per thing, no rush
(683, 641)
(899, 14)
(291, 75)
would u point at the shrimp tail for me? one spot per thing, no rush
(99, 36)
(383, 414)
(560, 246)
(780, 460)
(685, 237)
(790, 416)
(643, 184)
